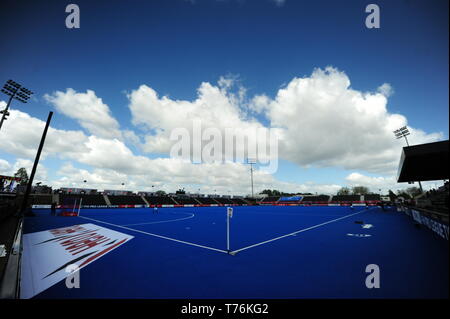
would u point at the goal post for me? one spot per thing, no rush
(71, 206)
(229, 215)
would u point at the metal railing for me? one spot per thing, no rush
(10, 283)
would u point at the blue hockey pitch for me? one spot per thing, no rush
(275, 252)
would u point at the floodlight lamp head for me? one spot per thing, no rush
(404, 129)
(26, 91)
(15, 84)
(10, 88)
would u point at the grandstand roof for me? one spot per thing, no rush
(425, 162)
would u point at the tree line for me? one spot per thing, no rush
(407, 193)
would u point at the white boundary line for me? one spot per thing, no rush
(159, 236)
(296, 232)
(162, 221)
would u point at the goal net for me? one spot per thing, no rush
(71, 206)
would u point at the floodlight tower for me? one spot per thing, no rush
(15, 91)
(251, 161)
(404, 132)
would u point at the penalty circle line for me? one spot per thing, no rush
(296, 232)
(162, 221)
(158, 236)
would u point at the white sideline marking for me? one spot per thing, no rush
(161, 221)
(155, 235)
(298, 231)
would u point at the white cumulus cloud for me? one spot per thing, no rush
(320, 121)
(88, 110)
(21, 135)
(324, 122)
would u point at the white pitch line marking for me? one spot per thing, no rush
(298, 231)
(156, 235)
(161, 221)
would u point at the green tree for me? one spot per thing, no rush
(270, 192)
(413, 191)
(344, 191)
(392, 196)
(403, 194)
(360, 190)
(160, 193)
(23, 175)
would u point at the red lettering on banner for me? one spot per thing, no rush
(79, 247)
(82, 242)
(66, 230)
(76, 236)
(102, 252)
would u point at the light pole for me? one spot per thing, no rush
(15, 91)
(36, 161)
(404, 132)
(251, 161)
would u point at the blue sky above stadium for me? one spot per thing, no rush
(136, 70)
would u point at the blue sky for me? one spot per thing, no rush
(175, 46)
